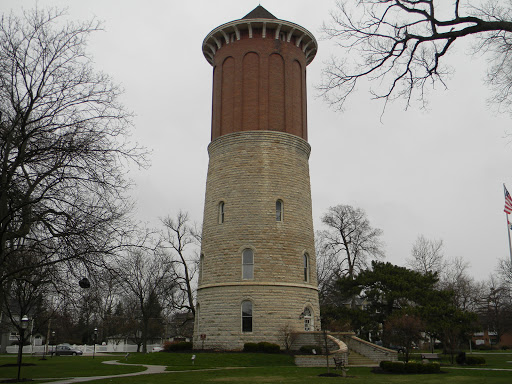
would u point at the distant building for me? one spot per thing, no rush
(490, 339)
(257, 265)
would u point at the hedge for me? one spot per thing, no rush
(309, 349)
(475, 360)
(179, 346)
(410, 367)
(262, 346)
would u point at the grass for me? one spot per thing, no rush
(310, 376)
(241, 368)
(62, 366)
(493, 359)
(183, 361)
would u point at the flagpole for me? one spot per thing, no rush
(508, 226)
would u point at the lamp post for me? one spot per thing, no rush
(53, 338)
(23, 326)
(95, 335)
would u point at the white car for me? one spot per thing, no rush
(157, 349)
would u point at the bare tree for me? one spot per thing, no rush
(63, 144)
(505, 271)
(456, 278)
(177, 239)
(348, 242)
(146, 277)
(401, 46)
(495, 311)
(405, 330)
(426, 255)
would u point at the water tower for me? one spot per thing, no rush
(257, 267)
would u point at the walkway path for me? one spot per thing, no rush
(150, 370)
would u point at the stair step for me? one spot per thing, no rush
(355, 358)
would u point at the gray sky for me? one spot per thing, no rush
(438, 173)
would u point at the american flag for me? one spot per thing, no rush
(508, 202)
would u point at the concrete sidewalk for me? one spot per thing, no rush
(150, 369)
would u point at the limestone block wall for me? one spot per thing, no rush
(248, 172)
(276, 308)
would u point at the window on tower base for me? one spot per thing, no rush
(247, 264)
(246, 316)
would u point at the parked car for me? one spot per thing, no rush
(157, 349)
(66, 350)
(398, 348)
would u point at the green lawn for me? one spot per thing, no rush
(310, 375)
(240, 368)
(183, 361)
(63, 366)
(494, 359)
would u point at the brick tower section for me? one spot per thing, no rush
(257, 277)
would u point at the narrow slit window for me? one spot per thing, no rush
(246, 316)
(306, 267)
(201, 263)
(247, 264)
(279, 210)
(221, 212)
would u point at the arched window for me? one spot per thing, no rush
(279, 210)
(306, 267)
(247, 264)
(221, 212)
(246, 316)
(308, 319)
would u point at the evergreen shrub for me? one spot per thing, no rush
(262, 346)
(410, 367)
(179, 346)
(461, 358)
(251, 347)
(475, 360)
(308, 349)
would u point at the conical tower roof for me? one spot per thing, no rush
(259, 19)
(259, 13)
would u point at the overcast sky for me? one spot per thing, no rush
(438, 173)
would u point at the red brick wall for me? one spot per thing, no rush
(259, 84)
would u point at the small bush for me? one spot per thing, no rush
(505, 347)
(308, 349)
(392, 366)
(475, 360)
(266, 347)
(251, 347)
(262, 346)
(461, 358)
(411, 367)
(431, 368)
(179, 346)
(483, 347)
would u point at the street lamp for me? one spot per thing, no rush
(53, 338)
(94, 339)
(23, 326)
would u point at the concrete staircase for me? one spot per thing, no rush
(344, 346)
(357, 360)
